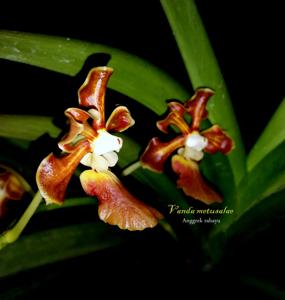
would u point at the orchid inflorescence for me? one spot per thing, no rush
(90, 143)
(191, 144)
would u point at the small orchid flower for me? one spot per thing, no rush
(191, 145)
(90, 143)
(10, 189)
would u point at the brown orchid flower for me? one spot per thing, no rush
(191, 145)
(89, 142)
(10, 189)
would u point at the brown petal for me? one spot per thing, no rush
(54, 173)
(174, 118)
(120, 120)
(10, 189)
(218, 140)
(78, 123)
(191, 181)
(116, 205)
(177, 107)
(92, 93)
(196, 106)
(157, 152)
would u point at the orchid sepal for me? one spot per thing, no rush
(54, 173)
(92, 93)
(157, 152)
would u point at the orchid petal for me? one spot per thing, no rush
(157, 152)
(14, 188)
(116, 205)
(78, 123)
(10, 189)
(191, 181)
(173, 118)
(196, 106)
(54, 173)
(218, 140)
(92, 93)
(177, 107)
(120, 119)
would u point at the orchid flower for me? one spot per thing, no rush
(90, 143)
(10, 189)
(191, 145)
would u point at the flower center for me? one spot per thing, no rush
(194, 146)
(104, 151)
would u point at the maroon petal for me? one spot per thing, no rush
(218, 140)
(176, 119)
(120, 120)
(10, 189)
(92, 93)
(157, 152)
(54, 173)
(78, 124)
(196, 106)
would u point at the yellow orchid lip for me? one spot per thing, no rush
(191, 145)
(91, 144)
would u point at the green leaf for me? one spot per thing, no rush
(26, 127)
(203, 70)
(133, 76)
(265, 178)
(263, 213)
(261, 194)
(272, 136)
(256, 218)
(53, 245)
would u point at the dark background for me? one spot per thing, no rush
(247, 37)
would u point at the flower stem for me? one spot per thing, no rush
(12, 234)
(130, 169)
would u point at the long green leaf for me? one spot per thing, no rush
(203, 70)
(26, 127)
(53, 245)
(264, 178)
(257, 217)
(266, 211)
(133, 76)
(272, 136)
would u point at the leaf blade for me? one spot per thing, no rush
(57, 244)
(272, 136)
(26, 127)
(134, 77)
